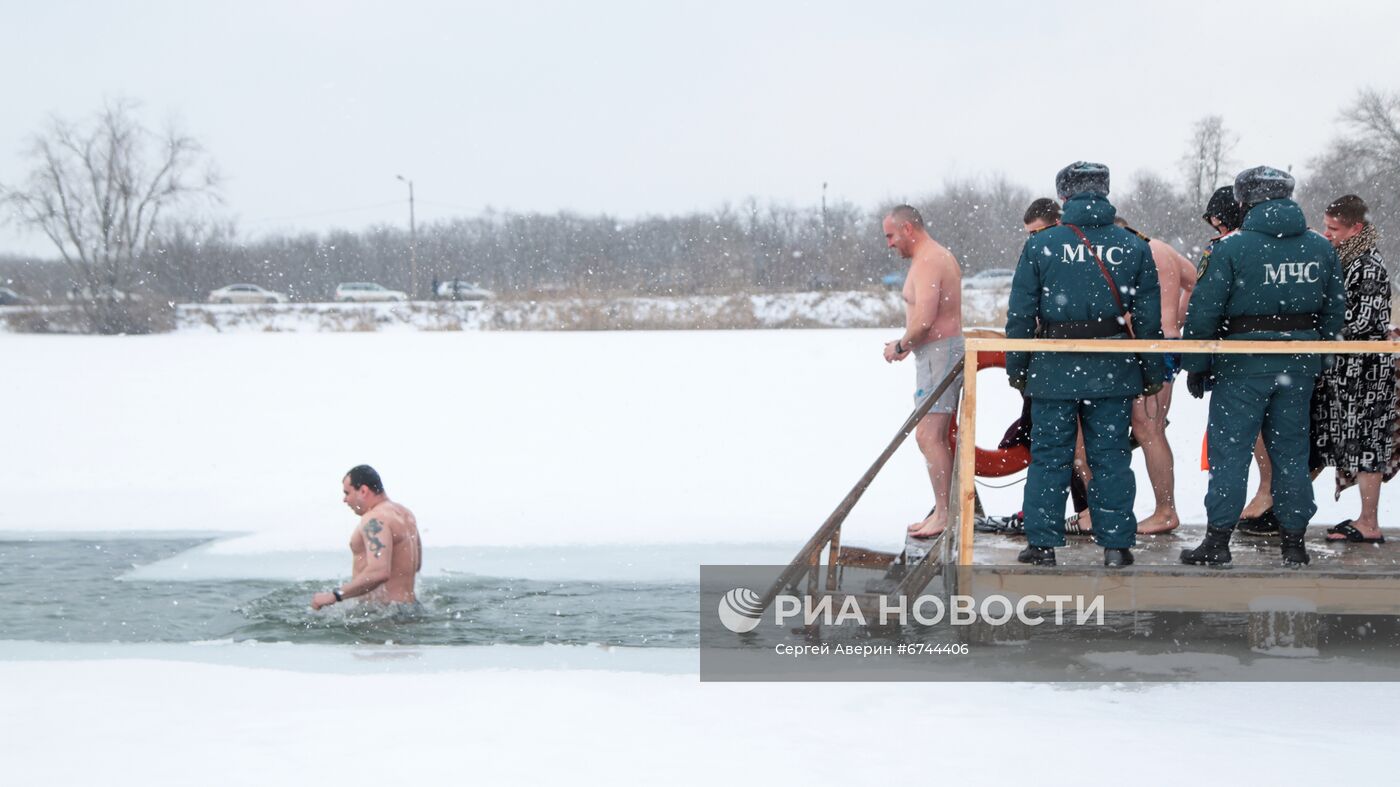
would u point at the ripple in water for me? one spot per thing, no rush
(68, 591)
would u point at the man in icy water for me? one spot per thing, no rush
(386, 550)
(933, 334)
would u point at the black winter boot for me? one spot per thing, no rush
(1295, 554)
(1039, 556)
(1117, 558)
(1214, 551)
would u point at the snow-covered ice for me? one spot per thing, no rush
(739, 443)
(493, 438)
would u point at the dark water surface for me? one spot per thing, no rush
(117, 591)
(73, 591)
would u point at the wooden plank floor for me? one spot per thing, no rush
(1251, 553)
(1356, 579)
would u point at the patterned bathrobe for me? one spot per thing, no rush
(1354, 420)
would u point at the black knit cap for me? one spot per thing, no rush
(1222, 206)
(1081, 177)
(1261, 184)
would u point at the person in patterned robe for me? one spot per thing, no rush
(1354, 418)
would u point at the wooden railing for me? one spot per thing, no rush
(808, 559)
(968, 415)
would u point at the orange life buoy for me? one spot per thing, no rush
(994, 462)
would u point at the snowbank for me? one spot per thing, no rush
(368, 716)
(841, 309)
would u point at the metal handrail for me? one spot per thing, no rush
(830, 531)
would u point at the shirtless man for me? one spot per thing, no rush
(1177, 276)
(385, 547)
(933, 333)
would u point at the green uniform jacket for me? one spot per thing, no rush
(1057, 280)
(1272, 265)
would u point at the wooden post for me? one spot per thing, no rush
(967, 455)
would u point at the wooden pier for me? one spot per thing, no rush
(1356, 579)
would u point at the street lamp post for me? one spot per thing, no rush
(412, 242)
(823, 210)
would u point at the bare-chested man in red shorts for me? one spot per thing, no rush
(385, 547)
(933, 334)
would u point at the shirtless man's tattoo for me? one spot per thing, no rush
(372, 530)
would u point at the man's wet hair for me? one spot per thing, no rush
(909, 213)
(1350, 209)
(1043, 209)
(364, 475)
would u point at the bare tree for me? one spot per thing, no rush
(99, 191)
(1207, 157)
(1374, 118)
(1364, 160)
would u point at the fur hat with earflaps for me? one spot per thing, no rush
(1223, 206)
(1082, 177)
(1261, 184)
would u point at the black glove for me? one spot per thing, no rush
(1019, 434)
(1196, 383)
(1017, 381)
(1151, 389)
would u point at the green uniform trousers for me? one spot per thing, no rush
(1241, 409)
(1105, 423)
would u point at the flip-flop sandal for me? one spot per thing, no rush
(1352, 535)
(1073, 528)
(1266, 524)
(1014, 525)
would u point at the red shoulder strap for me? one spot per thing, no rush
(1112, 288)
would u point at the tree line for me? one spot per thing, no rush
(116, 198)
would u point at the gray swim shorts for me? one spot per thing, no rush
(932, 362)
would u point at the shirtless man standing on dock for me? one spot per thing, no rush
(933, 333)
(385, 547)
(1177, 277)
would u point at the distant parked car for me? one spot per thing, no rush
(459, 290)
(9, 297)
(893, 280)
(362, 292)
(989, 279)
(245, 293)
(103, 294)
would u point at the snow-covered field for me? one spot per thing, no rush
(505, 438)
(738, 442)
(842, 309)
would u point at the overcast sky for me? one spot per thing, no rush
(311, 108)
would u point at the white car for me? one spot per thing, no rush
(9, 297)
(990, 279)
(459, 290)
(103, 294)
(245, 293)
(363, 292)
